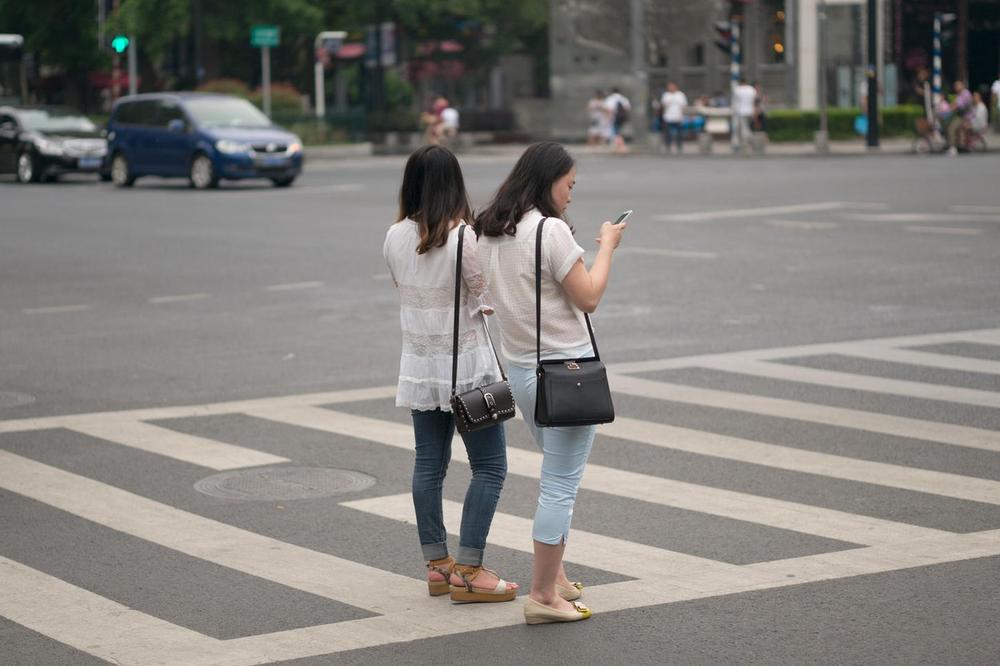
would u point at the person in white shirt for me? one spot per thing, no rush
(421, 250)
(744, 97)
(618, 108)
(599, 128)
(995, 98)
(673, 102)
(539, 186)
(980, 116)
(448, 128)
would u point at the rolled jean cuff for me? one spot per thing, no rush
(472, 557)
(434, 551)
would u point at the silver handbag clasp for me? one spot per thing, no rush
(572, 366)
(491, 404)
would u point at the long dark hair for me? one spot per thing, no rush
(528, 186)
(433, 194)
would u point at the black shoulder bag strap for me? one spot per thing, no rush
(458, 304)
(538, 299)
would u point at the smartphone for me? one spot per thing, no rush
(622, 217)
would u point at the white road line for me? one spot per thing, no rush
(856, 382)
(923, 358)
(56, 309)
(187, 411)
(984, 336)
(666, 252)
(596, 551)
(177, 298)
(976, 209)
(751, 212)
(802, 518)
(920, 217)
(805, 461)
(291, 286)
(177, 445)
(797, 225)
(293, 566)
(94, 624)
(856, 419)
(945, 231)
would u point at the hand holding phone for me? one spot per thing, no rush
(622, 217)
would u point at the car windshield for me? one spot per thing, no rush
(223, 112)
(50, 120)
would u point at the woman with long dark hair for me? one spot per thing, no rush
(539, 187)
(420, 250)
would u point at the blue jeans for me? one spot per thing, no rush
(487, 449)
(673, 134)
(564, 456)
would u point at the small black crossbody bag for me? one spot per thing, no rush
(484, 405)
(569, 392)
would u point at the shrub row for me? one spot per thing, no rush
(794, 125)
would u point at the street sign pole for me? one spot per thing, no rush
(823, 135)
(319, 84)
(265, 69)
(873, 44)
(133, 66)
(736, 137)
(640, 77)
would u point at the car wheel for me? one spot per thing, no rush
(283, 182)
(202, 174)
(121, 172)
(27, 169)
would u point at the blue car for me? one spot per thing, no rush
(203, 137)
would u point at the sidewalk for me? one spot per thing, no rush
(894, 146)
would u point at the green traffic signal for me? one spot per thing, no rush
(120, 43)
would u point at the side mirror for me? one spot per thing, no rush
(177, 125)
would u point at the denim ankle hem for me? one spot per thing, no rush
(472, 557)
(434, 551)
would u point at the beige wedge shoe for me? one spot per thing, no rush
(444, 566)
(570, 593)
(538, 613)
(466, 593)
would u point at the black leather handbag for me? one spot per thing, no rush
(484, 405)
(569, 392)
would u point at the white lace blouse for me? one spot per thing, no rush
(426, 284)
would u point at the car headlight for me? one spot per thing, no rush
(49, 147)
(295, 147)
(232, 147)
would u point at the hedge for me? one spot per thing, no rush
(794, 125)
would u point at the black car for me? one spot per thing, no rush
(40, 143)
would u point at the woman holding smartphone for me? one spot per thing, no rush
(539, 187)
(420, 250)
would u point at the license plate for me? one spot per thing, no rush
(273, 162)
(89, 162)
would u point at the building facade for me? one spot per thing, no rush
(787, 45)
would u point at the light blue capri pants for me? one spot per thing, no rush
(564, 455)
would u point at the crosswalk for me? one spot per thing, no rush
(401, 611)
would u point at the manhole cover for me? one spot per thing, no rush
(11, 399)
(283, 483)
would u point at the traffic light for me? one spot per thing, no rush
(725, 30)
(120, 43)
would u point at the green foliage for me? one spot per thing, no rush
(226, 87)
(285, 99)
(794, 125)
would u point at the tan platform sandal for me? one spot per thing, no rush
(539, 613)
(570, 593)
(466, 593)
(444, 566)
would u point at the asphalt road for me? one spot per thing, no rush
(805, 468)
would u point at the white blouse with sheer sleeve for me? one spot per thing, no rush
(426, 284)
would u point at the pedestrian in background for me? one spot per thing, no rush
(618, 108)
(995, 99)
(980, 116)
(539, 186)
(759, 110)
(420, 250)
(673, 102)
(961, 117)
(744, 98)
(597, 131)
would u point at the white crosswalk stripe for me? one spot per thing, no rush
(114, 632)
